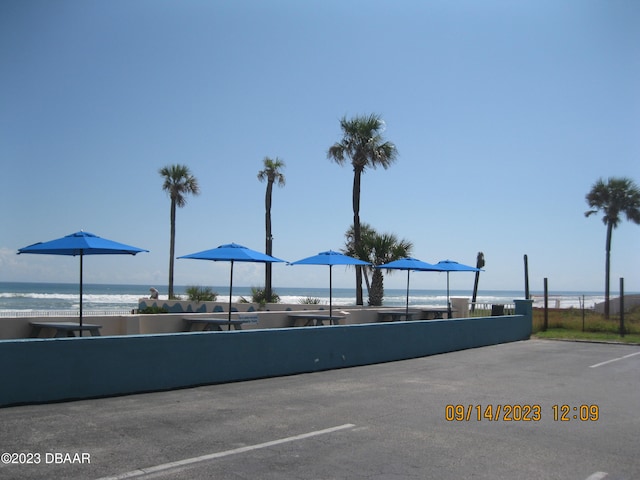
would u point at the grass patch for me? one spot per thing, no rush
(562, 334)
(576, 324)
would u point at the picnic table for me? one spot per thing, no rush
(64, 329)
(306, 319)
(215, 324)
(436, 313)
(395, 315)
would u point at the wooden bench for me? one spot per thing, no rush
(64, 329)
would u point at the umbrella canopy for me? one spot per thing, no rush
(330, 258)
(451, 266)
(81, 244)
(407, 264)
(232, 252)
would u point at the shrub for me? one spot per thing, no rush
(153, 310)
(201, 294)
(310, 301)
(258, 296)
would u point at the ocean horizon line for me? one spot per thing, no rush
(36, 296)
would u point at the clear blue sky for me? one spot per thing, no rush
(504, 114)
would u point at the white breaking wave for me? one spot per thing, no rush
(16, 296)
(90, 298)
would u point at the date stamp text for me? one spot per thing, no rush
(520, 413)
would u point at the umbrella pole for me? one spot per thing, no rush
(330, 296)
(407, 309)
(230, 290)
(448, 302)
(80, 332)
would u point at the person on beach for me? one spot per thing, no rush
(154, 293)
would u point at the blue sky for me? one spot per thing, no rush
(504, 114)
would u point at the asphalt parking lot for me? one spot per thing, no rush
(487, 413)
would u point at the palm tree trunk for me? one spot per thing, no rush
(479, 264)
(268, 240)
(376, 293)
(607, 282)
(172, 246)
(365, 274)
(357, 173)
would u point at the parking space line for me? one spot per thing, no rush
(188, 461)
(597, 476)
(614, 360)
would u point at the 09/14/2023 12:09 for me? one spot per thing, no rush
(520, 413)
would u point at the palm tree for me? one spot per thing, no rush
(178, 183)
(479, 265)
(271, 174)
(613, 197)
(377, 248)
(366, 231)
(363, 144)
(385, 248)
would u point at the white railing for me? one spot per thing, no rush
(63, 313)
(485, 309)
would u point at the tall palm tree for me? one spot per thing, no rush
(363, 144)
(377, 248)
(613, 197)
(178, 183)
(272, 174)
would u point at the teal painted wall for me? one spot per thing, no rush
(45, 370)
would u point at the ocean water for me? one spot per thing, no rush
(28, 297)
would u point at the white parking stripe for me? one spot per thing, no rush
(614, 360)
(211, 456)
(597, 476)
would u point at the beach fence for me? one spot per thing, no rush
(587, 315)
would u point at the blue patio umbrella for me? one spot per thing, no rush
(81, 244)
(451, 266)
(232, 252)
(407, 264)
(330, 258)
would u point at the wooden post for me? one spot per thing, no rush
(546, 306)
(622, 307)
(526, 278)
